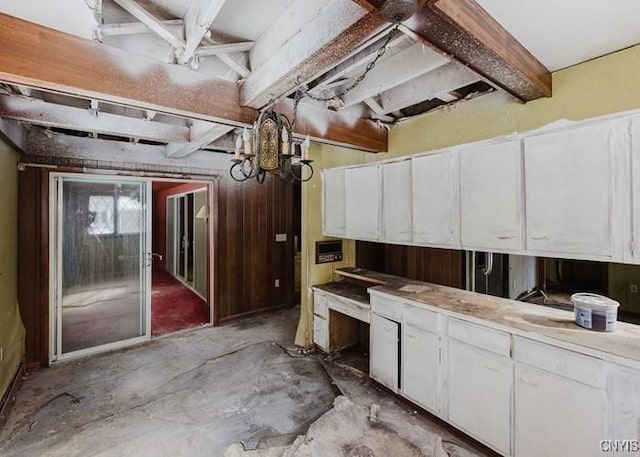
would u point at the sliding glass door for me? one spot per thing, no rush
(100, 264)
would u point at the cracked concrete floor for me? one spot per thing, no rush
(196, 394)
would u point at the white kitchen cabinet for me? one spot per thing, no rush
(421, 367)
(570, 192)
(384, 361)
(555, 415)
(623, 402)
(321, 332)
(491, 187)
(436, 199)
(479, 394)
(362, 188)
(396, 201)
(634, 241)
(334, 209)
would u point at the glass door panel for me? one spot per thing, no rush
(102, 265)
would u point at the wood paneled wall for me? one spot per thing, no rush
(251, 263)
(248, 260)
(438, 266)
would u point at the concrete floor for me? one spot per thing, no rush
(236, 390)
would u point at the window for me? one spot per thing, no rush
(105, 220)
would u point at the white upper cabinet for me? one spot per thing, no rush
(436, 199)
(362, 187)
(396, 201)
(491, 182)
(334, 210)
(569, 179)
(634, 242)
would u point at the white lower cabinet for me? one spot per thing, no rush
(321, 332)
(421, 367)
(384, 361)
(479, 394)
(555, 415)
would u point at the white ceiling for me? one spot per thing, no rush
(561, 33)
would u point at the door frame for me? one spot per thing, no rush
(176, 196)
(211, 183)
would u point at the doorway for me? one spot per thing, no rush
(109, 285)
(100, 265)
(180, 286)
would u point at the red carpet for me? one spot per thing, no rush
(173, 306)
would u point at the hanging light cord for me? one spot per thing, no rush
(301, 92)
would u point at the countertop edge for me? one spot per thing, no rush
(553, 341)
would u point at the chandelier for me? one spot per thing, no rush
(269, 146)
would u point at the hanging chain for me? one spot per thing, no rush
(301, 93)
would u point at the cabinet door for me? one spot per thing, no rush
(436, 199)
(479, 395)
(421, 367)
(634, 243)
(569, 192)
(491, 181)
(556, 416)
(384, 362)
(396, 201)
(334, 209)
(362, 185)
(321, 332)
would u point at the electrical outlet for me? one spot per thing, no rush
(633, 288)
(277, 283)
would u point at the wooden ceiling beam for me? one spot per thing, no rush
(464, 30)
(197, 21)
(38, 112)
(136, 28)
(202, 134)
(39, 57)
(336, 31)
(154, 24)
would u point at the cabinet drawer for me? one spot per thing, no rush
(386, 307)
(320, 305)
(482, 337)
(568, 364)
(320, 333)
(349, 308)
(422, 319)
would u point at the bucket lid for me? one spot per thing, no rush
(593, 301)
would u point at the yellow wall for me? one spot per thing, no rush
(11, 329)
(606, 85)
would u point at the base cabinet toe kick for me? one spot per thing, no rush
(516, 395)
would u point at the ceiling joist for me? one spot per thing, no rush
(153, 23)
(136, 28)
(38, 112)
(197, 21)
(464, 30)
(202, 134)
(39, 57)
(338, 29)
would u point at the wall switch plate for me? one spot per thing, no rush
(281, 237)
(633, 288)
(277, 283)
(1, 354)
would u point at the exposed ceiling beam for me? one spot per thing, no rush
(355, 62)
(197, 21)
(118, 154)
(201, 136)
(397, 69)
(154, 24)
(230, 61)
(40, 57)
(444, 79)
(337, 30)
(46, 114)
(463, 29)
(136, 28)
(216, 49)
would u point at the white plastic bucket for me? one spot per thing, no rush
(595, 312)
